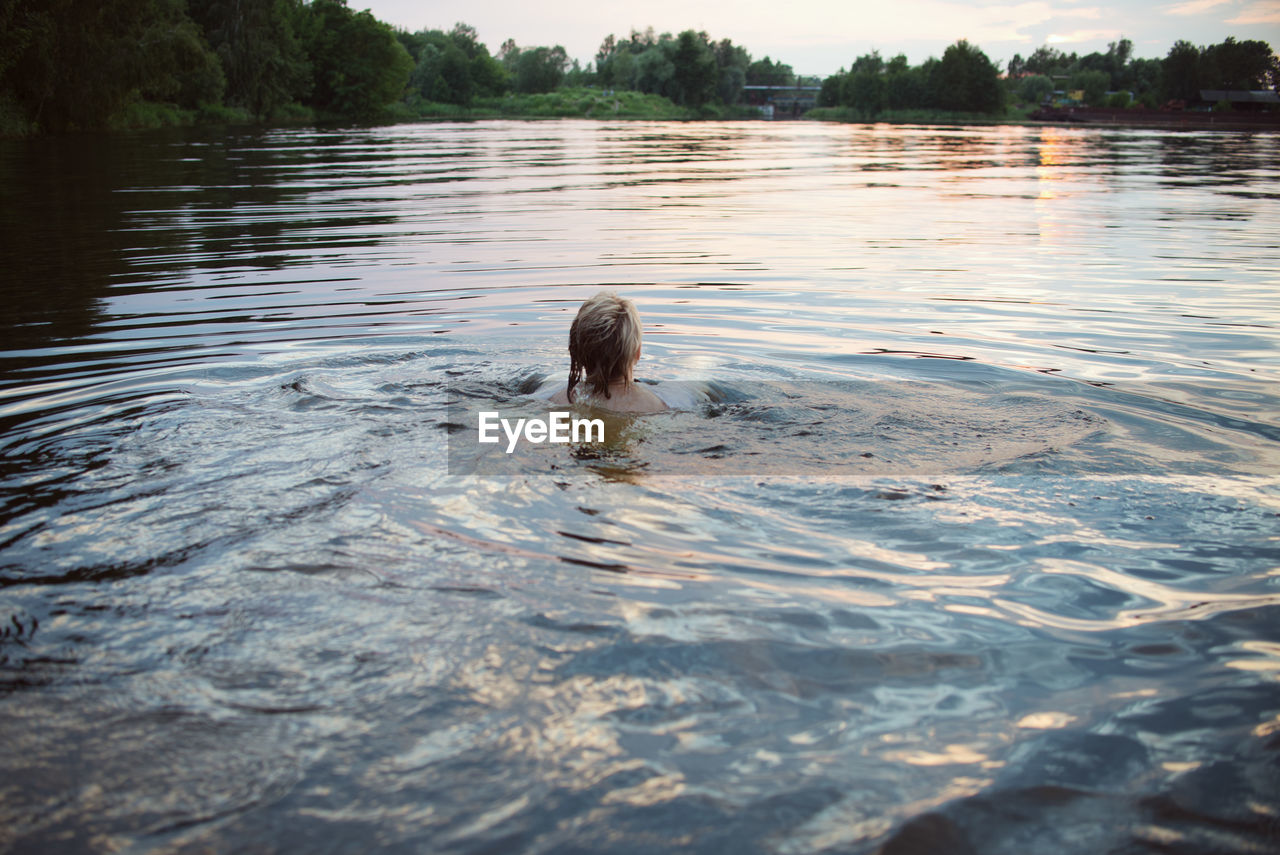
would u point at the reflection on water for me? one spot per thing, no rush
(962, 538)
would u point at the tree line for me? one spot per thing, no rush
(1117, 78)
(81, 64)
(76, 64)
(966, 80)
(690, 68)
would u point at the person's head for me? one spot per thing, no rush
(604, 343)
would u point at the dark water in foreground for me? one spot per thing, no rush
(965, 539)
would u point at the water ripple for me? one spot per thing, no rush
(961, 536)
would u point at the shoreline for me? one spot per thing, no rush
(1076, 117)
(1170, 119)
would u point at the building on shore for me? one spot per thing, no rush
(782, 102)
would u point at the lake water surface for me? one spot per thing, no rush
(964, 538)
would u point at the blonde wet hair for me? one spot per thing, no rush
(604, 343)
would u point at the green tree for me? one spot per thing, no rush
(866, 88)
(875, 85)
(966, 80)
(641, 42)
(1092, 62)
(360, 67)
(1181, 72)
(455, 67)
(694, 70)
(907, 89)
(486, 74)
(1119, 54)
(442, 74)
(871, 63)
(618, 62)
(1093, 84)
(829, 95)
(611, 69)
(626, 71)
(1142, 77)
(653, 71)
(732, 62)
(868, 93)
(76, 63)
(1035, 88)
(186, 72)
(540, 69)
(604, 57)
(689, 68)
(264, 62)
(1245, 65)
(766, 72)
(1047, 61)
(577, 75)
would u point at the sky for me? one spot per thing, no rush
(822, 36)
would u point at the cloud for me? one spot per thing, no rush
(941, 21)
(821, 35)
(1195, 7)
(1258, 13)
(1082, 36)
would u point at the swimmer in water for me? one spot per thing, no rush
(604, 347)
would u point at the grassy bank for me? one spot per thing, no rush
(142, 115)
(569, 103)
(148, 115)
(566, 103)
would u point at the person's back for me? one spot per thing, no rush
(604, 347)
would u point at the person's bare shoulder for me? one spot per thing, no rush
(647, 401)
(637, 400)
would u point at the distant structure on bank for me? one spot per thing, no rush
(1239, 99)
(783, 102)
(1226, 108)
